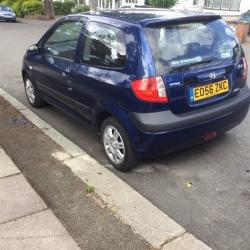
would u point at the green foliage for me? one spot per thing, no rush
(67, 6)
(26, 7)
(63, 8)
(17, 8)
(57, 7)
(10, 2)
(32, 7)
(4, 3)
(80, 8)
(90, 189)
(163, 3)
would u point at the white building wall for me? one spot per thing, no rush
(188, 5)
(244, 6)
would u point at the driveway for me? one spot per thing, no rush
(214, 206)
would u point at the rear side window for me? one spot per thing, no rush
(183, 45)
(104, 46)
(63, 41)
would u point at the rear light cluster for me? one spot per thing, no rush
(151, 89)
(245, 69)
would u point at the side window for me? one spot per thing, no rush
(104, 46)
(63, 41)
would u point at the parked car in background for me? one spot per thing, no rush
(149, 82)
(245, 16)
(7, 14)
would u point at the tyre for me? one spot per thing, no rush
(117, 145)
(32, 93)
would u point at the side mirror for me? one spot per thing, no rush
(33, 48)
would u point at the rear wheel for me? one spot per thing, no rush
(32, 93)
(117, 145)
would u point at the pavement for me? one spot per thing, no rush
(215, 208)
(90, 222)
(25, 220)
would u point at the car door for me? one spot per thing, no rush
(100, 66)
(54, 63)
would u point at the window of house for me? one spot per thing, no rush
(235, 5)
(223, 4)
(195, 2)
(63, 41)
(216, 4)
(104, 46)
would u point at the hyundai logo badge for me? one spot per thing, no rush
(212, 75)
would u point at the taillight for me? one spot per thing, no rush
(150, 89)
(245, 69)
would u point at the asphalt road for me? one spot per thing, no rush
(216, 208)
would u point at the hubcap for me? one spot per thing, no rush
(30, 91)
(113, 144)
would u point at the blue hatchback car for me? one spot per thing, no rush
(149, 81)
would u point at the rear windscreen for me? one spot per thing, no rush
(179, 46)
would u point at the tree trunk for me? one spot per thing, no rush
(49, 9)
(93, 5)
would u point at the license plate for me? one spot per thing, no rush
(209, 90)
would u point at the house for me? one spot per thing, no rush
(222, 7)
(114, 4)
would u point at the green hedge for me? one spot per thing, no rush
(17, 8)
(27, 7)
(80, 8)
(32, 7)
(63, 8)
(163, 3)
(57, 7)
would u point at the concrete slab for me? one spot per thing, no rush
(65, 143)
(187, 241)
(17, 198)
(7, 167)
(38, 231)
(15, 103)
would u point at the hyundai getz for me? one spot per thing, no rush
(149, 81)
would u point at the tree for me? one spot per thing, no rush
(49, 9)
(163, 3)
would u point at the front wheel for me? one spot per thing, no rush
(117, 145)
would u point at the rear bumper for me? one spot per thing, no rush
(166, 120)
(164, 132)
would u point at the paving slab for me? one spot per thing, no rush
(7, 167)
(187, 241)
(17, 198)
(38, 231)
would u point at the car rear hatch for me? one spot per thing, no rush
(200, 61)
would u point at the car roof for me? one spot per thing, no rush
(149, 15)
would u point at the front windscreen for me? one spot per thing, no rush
(178, 46)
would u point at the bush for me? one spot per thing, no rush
(17, 8)
(67, 6)
(32, 7)
(162, 3)
(4, 3)
(80, 8)
(63, 8)
(57, 7)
